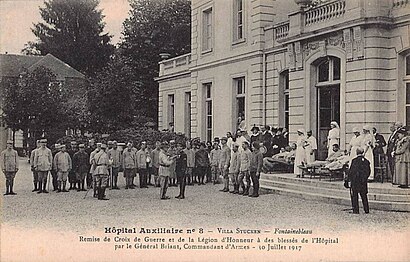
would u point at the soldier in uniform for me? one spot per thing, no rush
(190, 163)
(201, 163)
(102, 164)
(225, 159)
(142, 165)
(234, 168)
(54, 151)
(255, 168)
(90, 148)
(165, 162)
(155, 162)
(92, 168)
(358, 174)
(72, 177)
(172, 152)
(180, 168)
(63, 166)
(9, 163)
(245, 158)
(81, 166)
(35, 174)
(129, 165)
(43, 161)
(115, 155)
(148, 152)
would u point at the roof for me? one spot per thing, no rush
(12, 65)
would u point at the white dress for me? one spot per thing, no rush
(368, 145)
(332, 138)
(311, 144)
(355, 143)
(299, 155)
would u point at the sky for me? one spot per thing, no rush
(17, 18)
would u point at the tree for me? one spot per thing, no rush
(73, 31)
(32, 103)
(154, 27)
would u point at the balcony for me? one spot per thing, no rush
(324, 13)
(176, 65)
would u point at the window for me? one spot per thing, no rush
(188, 114)
(284, 103)
(329, 70)
(408, 65)
(207, 30)
(171, 111)
(238, 20)
(208, 110)
(239, 84)
(407, 84)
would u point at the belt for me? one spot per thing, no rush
(101, 164)
(164, 165)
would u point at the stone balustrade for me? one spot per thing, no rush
(282, 30)
(325, 12)
(400, 3)
(174, 65)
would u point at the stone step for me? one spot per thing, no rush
(345, 193)
(315, 182)
(374, 204)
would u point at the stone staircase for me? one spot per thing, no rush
(381, 196)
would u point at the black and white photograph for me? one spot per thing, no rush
(204, 130)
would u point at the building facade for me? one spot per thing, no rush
(12, 66)
(288, 65)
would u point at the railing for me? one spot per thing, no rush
(282, 31)
(174, 63)
(325, 12)
(400, 3)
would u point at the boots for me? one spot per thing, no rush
(7, 188)
(35, 186)
(58, 186)
(44, 187)
(40, 185)
(246, 191)
(101, 194)
(82, 186)
(64, 185)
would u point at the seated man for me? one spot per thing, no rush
(330, 159)
(281, 160)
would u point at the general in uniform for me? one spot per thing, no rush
(43, 160)
(101, 172)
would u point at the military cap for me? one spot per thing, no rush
(61, 146)
(81, 146)
(109, 143)
(74, 142)
(114, 142)
(103, 146)
(43, 140)
(9, 142)
(172, 141)
(224, 138)
(121, 144)
(56, 146)
(99, 144)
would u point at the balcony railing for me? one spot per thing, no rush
(400, 3)
(282, 30)
(174, 65)
(325, 12)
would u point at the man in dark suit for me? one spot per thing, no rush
(267, 140)
(391, 146)
(357, 175)
(378, 146)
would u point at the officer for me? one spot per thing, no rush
(9, 163)
(224, 161)
(358, 174)
(81, 166)
(142, 165)
(72, 177)
(43, 160)
(63, 166)
(92, 168)
(35, 173)
(54, 151)
(102, 164)
(180, 169)
(114, 154)
(129, 165)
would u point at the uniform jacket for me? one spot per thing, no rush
(225, 157)
(92, 160)
(181, 163)
(234, 164)
(32, 155)
(116, 157)
(81, 162)
(101, 163)
(129, 158)
(190, 157)
(9, 160)
(245, 160)
(141, 157)
(62, 162)
(358, 173)
(43, 159)
(201, 158)
(155, 157)
(256, 162)
(215, 156)
(164, 164)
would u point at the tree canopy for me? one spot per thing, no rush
(72, 30)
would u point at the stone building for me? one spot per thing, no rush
(11, 66)
(290, 64)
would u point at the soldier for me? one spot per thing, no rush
(225, 159)
(214, 156)
(43, 160)
(165, 162)
(72, 177)
(148, 152)
(102, 164)
(92, 168)
(142, 165)
(35, 174)
(245, 158)
(201, 163)
(358, 174)
(81, 166)
(129, 165)
(155, 162)
(63, 166)
(234, 168)
(255, 168)
(172, 152)
(190, 163)
(90, 148)
(114, 155)
(9, 163)
(180, 168)
(54, 151)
